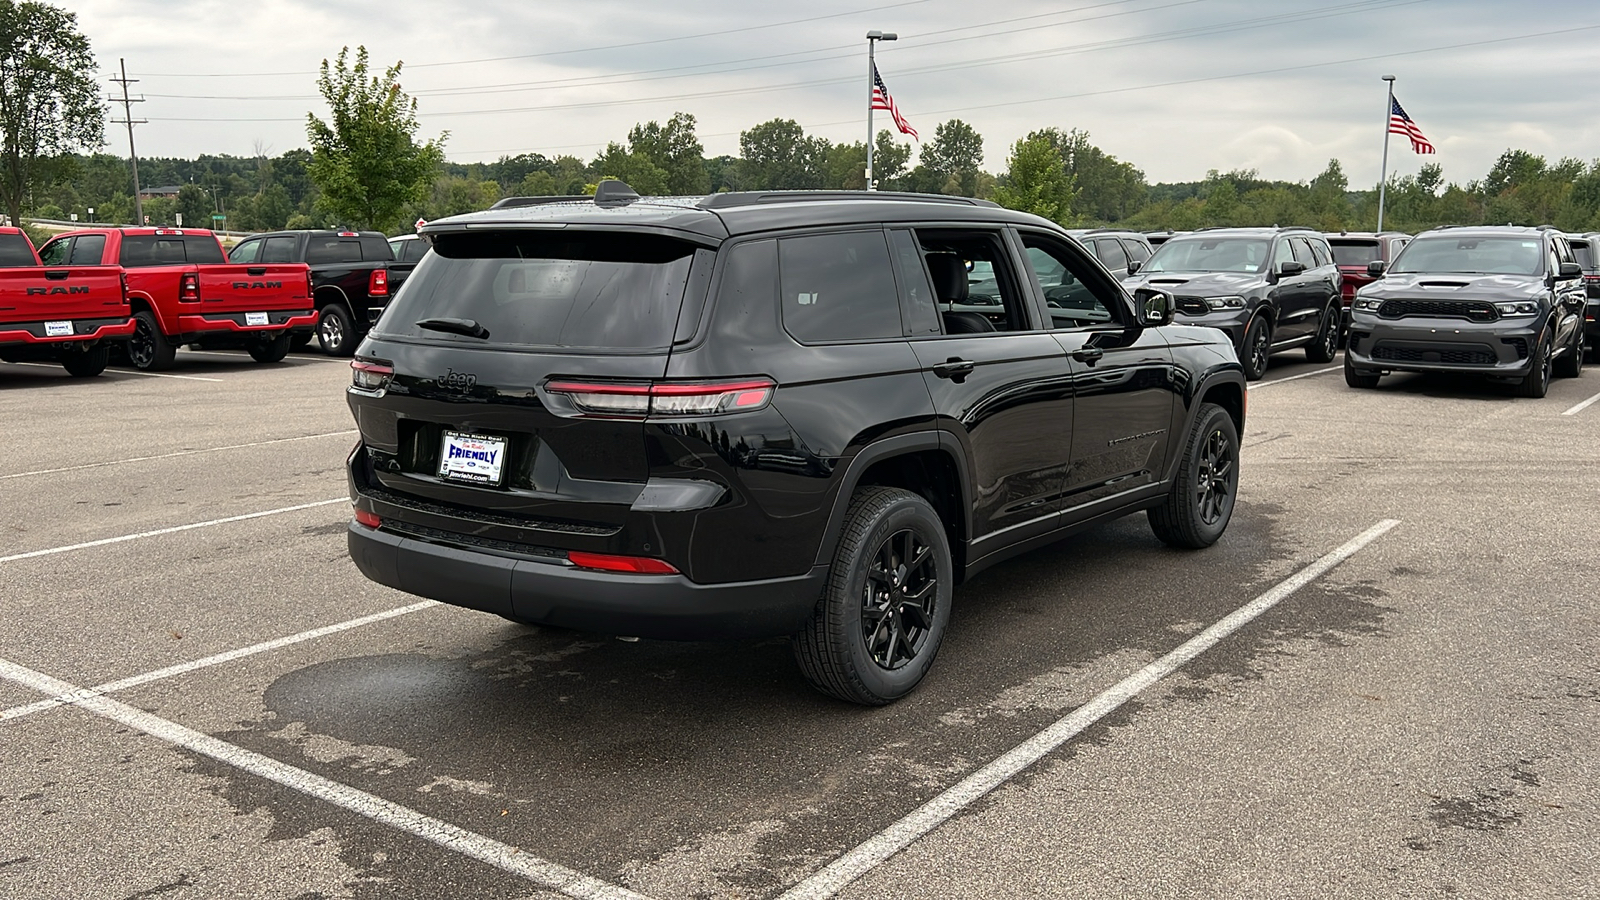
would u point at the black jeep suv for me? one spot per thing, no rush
(769, 414)
(1270, 289)
(1501, 301)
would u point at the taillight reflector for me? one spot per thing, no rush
(370, 375)
(369, 519)
(189, 287)
(633, 565)
(674, 398)
(378, 283)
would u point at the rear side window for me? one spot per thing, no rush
(278, 250)
(335, 249)
(88, 250)
(15, 251)
(838, 287)
(594, 291)
(140, 250)
(1354, 253)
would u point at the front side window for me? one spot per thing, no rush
(1111, 253)
(976, 287)
(55, 252)
(1302, 252)
(246, 252)
(1209, 254)
(1582, 252)
(1137, 252)
(1320, 251)
(838, 287)
(1074, 296)
(1447, 255)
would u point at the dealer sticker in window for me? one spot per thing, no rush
(57, 329)
(473, 458)
(255, 318)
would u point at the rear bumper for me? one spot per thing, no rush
(277, 320)
(554, 592)
(83, 330)
(1500, 349)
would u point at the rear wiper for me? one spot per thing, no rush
(467, 327)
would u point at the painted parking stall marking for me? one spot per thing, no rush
(177, 453)
(875, 850)
(1582, 406)
(172, 530)
(1261, 384)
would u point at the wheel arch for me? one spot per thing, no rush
(329, 294)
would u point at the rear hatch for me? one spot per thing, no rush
(1583, 250)
(1352, 256)
(83, 294)
(466, 442)
(238, 290)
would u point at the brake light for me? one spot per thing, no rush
(189, 287)
(370, 375)
(368, 519)
(666, 399)
(169, 231)
(378, 283)
(124, 287)
(310, 287)
(348, 234)
(632, 565)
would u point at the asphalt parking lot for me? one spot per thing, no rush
(201, 697)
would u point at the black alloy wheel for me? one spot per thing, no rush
(1570, 365)
(1325, 346)
(1537, 382)
(1257, 348)
(897, 601)
(336, 331)
(878, 625)
(149, 349)
(1200, 504)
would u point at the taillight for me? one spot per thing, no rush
(378, 283)
(370, 375)
(605, 562)
(124, 287)
(189, 288)
(666, 399)
(310, 288)
(369, 519)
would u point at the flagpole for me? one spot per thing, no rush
(872, 70)
(1383, 179)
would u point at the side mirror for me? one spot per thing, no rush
(1375, 268)
(1291, 267)
(1155, 307)
(1134, 266)
(1570, 270)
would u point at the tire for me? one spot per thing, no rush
(836, 650)
(1358, 378)
(336, 330)
(148, 349)
(87, 364)
(1325, 346)
(1537, 382)
(1257, 348)
(300, 340)
(270, 351)
(1571, 365)
(1200, 504)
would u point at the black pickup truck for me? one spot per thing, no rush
(353, 275)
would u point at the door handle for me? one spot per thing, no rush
(955, 369)
(256, 270)
(58, 275)
(1088, 354)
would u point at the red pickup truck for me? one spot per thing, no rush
(68, 313)
(183, 291)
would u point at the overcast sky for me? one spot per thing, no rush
(1175, 87)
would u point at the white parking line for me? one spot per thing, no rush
(122, 684)
(134, 459)
(502, 856)
(1582, 406)
(121, 371)
(875, 850)
(173, 530)
(1262, 384)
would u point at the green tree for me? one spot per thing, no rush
(636, 169)
(952, 160)
(366, 160)
(49, 103)
(675, 151)
(1036, 180)
(196, 205)
(777, 156)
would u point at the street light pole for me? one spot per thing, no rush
(873, 37)
(1383, 177)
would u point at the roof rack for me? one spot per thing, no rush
(731, 199)
(609, 192)
(514, 202)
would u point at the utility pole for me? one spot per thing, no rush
(128, 120)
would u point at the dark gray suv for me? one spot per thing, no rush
(1269, 289)
(1502, 301)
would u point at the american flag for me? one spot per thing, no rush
(1400, 123)
(882, 100)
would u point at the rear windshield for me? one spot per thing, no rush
(1209, 254)
(1354, 253)
(1584, 254)
(571, 290)
(333, 248)
(1471, 256)
(15, 251)
(169, 249)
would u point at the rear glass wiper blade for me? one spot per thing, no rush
(467, 327)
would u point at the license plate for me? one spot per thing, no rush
(255, 318)
(473, 458)
(57, 329)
